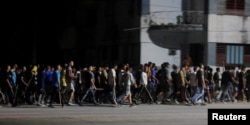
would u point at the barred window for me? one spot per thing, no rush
(235, 6)
(234, 54)
(221, 48)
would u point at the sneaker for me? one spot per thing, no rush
(203, 104)
(71, 104)
(114, 101)
(185, 102)
(235, 101)
(168, 99)
(194, 103)
(80, 104)
(135, 102)
(96, 104)
(158, 102)
(176, 102)
(121, 102)
(132, 105)
(9, 105)
(41, 105)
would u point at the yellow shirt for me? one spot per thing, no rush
(64, 83)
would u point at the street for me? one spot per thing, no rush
(144, 114)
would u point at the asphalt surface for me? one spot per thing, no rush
(108, 114)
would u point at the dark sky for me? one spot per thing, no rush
(36, 25)
(55, 31)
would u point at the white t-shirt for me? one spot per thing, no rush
(144, 78)
(112, 77)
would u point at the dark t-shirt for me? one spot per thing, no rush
(138, 76)
(199, 76)
(216, 77)
(241, 75)
(5, 75)
(174, 76)
(248, 80)
(226, 78)
(97, 75)
(88, 77)
(162, 75)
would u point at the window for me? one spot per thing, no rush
(171, 52)
(234, 54)
(235, 7)
(145, 7)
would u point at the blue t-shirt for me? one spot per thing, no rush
(49, 76)
(13, 77)
(57, 76)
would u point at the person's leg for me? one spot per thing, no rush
(248, 93)
(149, 95)
(139, 93)
(41, 98)
(3, 96)
(225, 93)
(197, 95)
(92, 94)
(8, 97)
(71, 94)
(85, 95)
(53, 95)
(63, 91)
(114, 94)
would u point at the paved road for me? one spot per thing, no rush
(105, 114)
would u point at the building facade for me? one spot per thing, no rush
(213, 32)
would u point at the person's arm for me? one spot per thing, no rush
(132, 79)
(244, 80)
(234, 78)
(24, 82)
(92, 82)
(182, 79)
(113, 77)
(9, 81)
(9, 84)
(203, 81)
(71, 74)
(58, 80)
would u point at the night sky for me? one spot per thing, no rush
(34, 30)
(31, 25)
(60, 31)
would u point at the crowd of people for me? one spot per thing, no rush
(67, 84)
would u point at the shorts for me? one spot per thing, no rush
(128, 91)
(72, 85)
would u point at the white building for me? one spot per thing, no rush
(213, 32)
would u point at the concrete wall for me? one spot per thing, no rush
(228, 29)
(149, 50)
